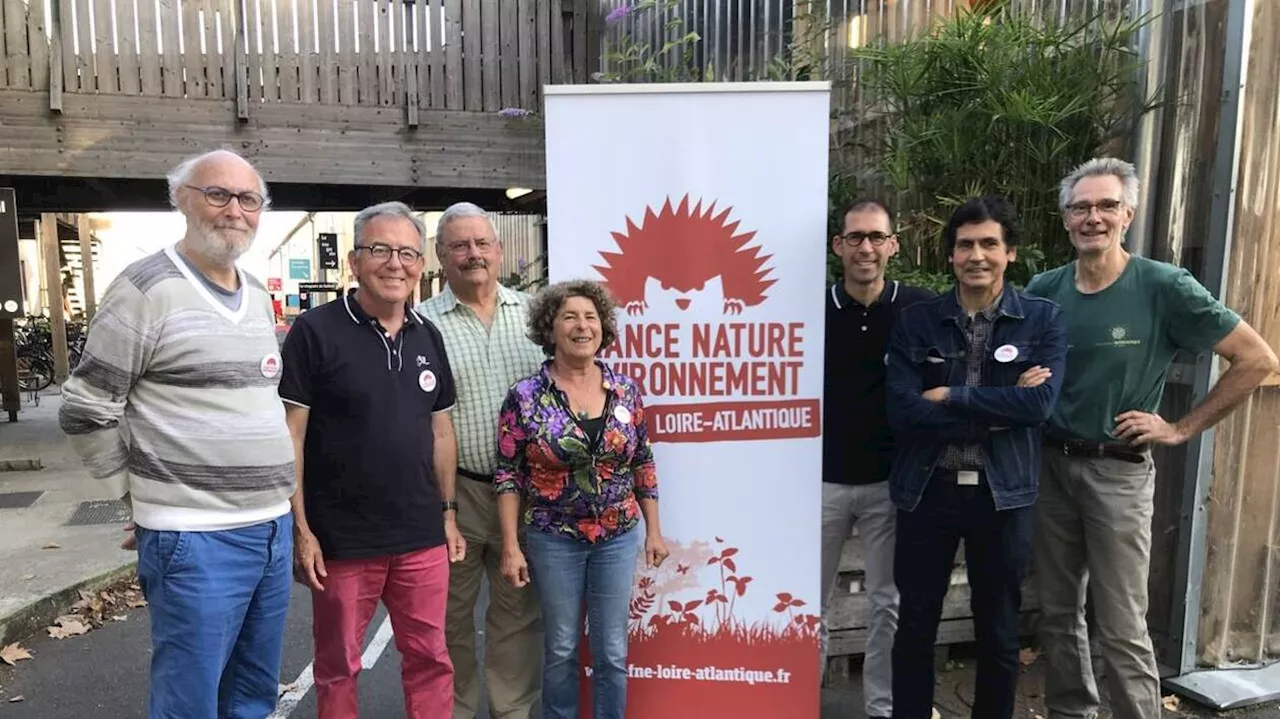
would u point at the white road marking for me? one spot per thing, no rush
(290, 700)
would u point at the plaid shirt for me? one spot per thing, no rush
(486, 363)
(977, 331)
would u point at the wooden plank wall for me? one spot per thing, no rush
(478, 55)
(1240, 600)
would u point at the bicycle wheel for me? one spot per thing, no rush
(34, 374)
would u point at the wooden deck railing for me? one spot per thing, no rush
(477, 55)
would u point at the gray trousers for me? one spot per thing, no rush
(868, 507)
(1093, 533)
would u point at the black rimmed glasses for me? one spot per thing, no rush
(221, 197)
(382, 253)
(853, 239)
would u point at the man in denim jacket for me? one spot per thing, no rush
(972, 376)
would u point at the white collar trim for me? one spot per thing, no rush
(234, 316)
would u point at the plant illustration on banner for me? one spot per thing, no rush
(676, 601)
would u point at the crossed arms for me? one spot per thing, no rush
(966, 414)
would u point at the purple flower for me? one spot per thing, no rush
(618, 14)
(514, 112)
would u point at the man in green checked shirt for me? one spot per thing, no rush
(483, 324)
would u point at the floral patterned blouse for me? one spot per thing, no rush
(573, 486)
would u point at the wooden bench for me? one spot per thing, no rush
(850, 610)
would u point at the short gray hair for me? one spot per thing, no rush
(390, 209)
(181, 175)
(1097, 167)
(458, 211)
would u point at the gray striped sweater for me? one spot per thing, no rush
(174, 401)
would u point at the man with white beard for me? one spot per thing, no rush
(182, 353)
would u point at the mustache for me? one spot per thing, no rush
(478, 263)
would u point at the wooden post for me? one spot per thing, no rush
(49, 246)
(86, 265)
(55, 57)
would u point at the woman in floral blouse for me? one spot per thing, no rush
(574, 454)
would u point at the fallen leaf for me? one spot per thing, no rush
(13, 654)
(28, 577)
(119, 618)
(15, 700)
(286, 688)
(1171, 702)
(67, 627)
(52, 545)
(135, 603)
(1028, 656)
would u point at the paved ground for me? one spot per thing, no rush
(103, 674)
(75, 553)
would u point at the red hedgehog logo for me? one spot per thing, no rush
(689, 259)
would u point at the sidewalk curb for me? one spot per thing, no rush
(29, 620)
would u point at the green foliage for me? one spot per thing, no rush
(988, 101)
(637, 60)
(994, 102)
(529, 278)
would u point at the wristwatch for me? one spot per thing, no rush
(447, 505)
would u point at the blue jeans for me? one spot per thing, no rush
(217, 602)
(566, 572)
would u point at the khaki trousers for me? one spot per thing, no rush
(1093, 533)
(512, 626)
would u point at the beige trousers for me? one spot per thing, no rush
(512, 624)
(1093, 533)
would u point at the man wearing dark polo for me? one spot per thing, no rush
(856, 443)
(368, 389)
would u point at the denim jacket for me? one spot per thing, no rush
(927, 349)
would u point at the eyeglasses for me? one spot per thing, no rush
(1078, 210)
(853, 239)
(221, 197)
(382, 253)
(461, 248)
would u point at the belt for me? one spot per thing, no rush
(486, 478)
(1097, 450)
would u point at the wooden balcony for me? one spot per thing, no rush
(431, 93)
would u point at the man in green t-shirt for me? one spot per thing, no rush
(1127, 316)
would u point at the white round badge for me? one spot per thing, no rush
(1006, 353)
(427, 380)
(10, 306)
(623, 414)
(270, 365)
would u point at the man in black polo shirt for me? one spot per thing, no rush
(856, 442)
(368, 390)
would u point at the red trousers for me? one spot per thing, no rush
(415, 588)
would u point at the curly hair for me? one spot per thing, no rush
(545, 305)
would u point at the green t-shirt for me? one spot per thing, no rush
(1121, 341)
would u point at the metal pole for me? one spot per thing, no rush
(1153, 44)
(1194, 520)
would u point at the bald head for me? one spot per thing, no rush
(222, 197)
(215, 162)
